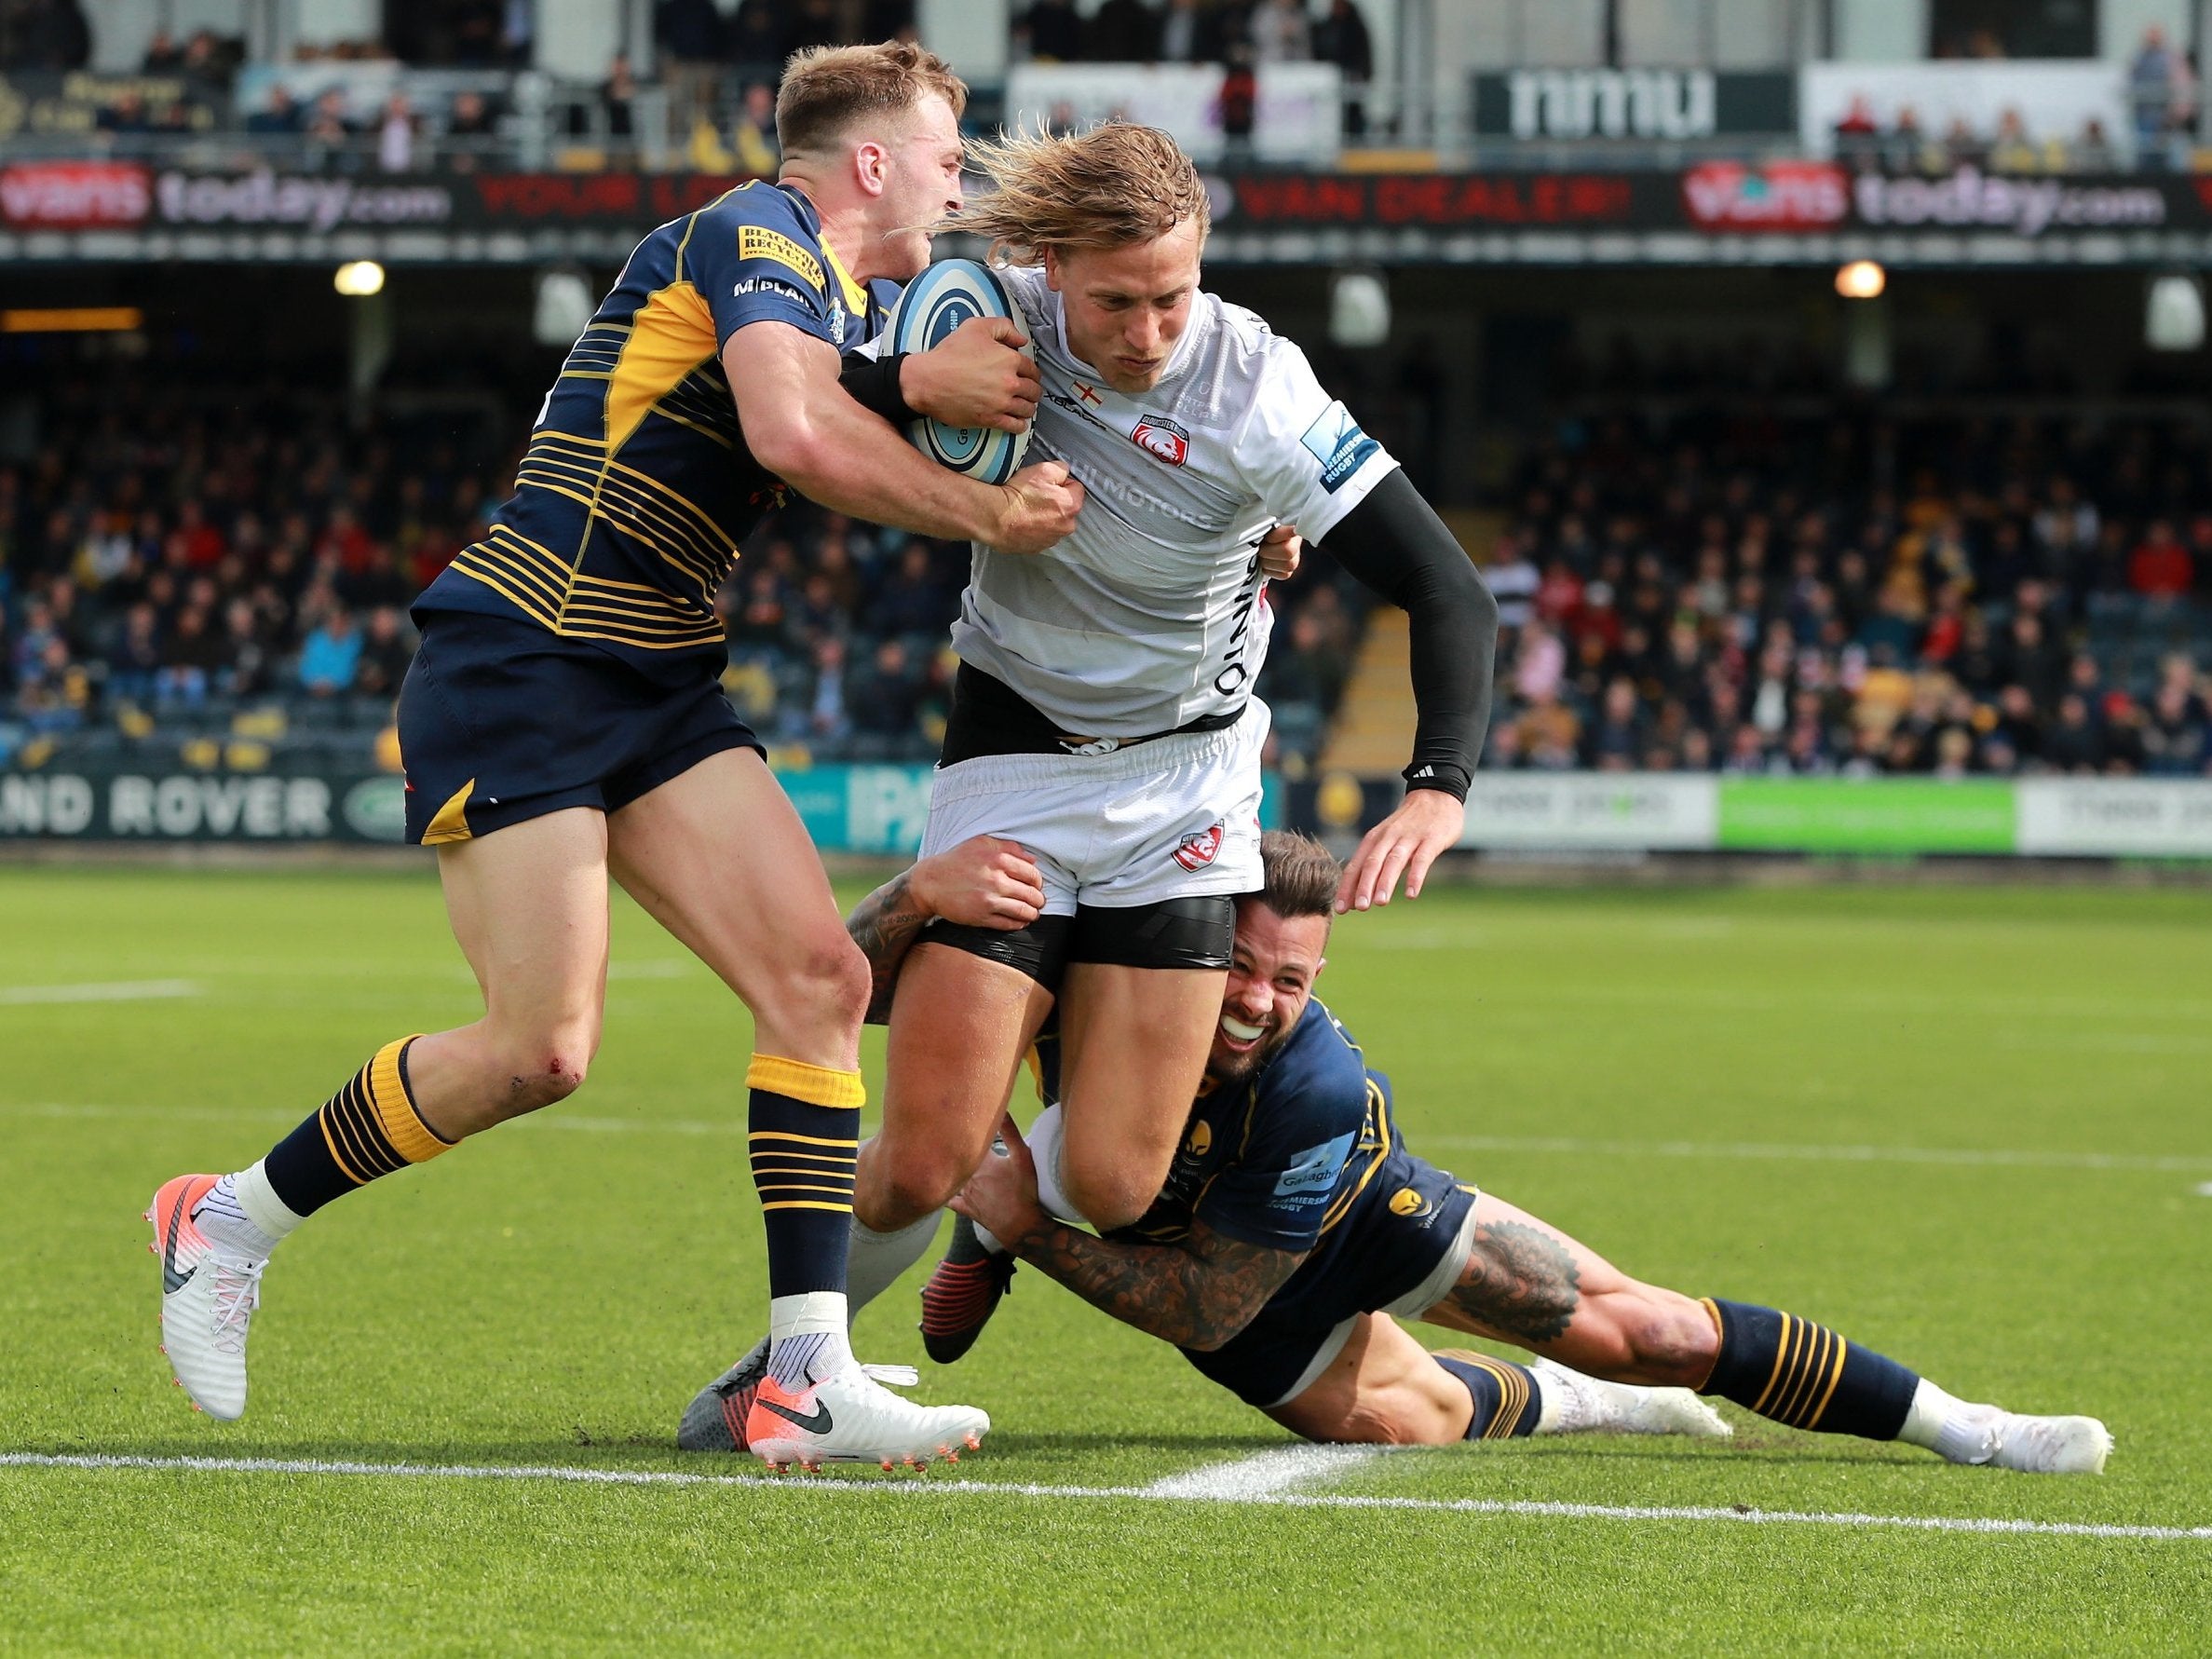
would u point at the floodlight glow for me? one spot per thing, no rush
(358, 279)
(1862, 279)
(2174, 315)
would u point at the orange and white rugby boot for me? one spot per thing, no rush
(208, 1292)
(849, 1417)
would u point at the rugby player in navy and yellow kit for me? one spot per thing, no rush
(564, 721)
(1296, 1228)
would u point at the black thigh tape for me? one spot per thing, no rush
(1189, 932)
(1038, 948)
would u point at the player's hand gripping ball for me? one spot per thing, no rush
(934, 304)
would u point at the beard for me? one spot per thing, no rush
(1225, 1067)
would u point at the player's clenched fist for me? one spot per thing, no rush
(1001, 1195)
(1038, 507)
(975, 376)
(1280, 550)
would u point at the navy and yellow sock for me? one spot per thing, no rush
(1507, 1402)
(804, 1124)
(368, 1128)
(1805, 1375)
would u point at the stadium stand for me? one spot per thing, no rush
(1692, 578)
(1701, 577)
(1745, 568)
(232, 563)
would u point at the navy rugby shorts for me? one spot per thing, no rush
(501, 721)
(1397, 1258)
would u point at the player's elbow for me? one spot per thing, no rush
(1456, 588)
(1481, 605)
(793, 450)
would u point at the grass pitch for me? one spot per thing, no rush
(1967, 1127)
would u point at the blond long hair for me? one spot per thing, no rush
(1114, 186)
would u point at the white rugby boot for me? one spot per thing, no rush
(1573, 1404)
(849, 1417)
(2032, 1444)
(208, 1292)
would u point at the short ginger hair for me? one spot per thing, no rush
(826, 88)
(1113, 186)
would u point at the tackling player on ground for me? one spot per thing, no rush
(1102, 714)
(564, 721)
(1295, 1224)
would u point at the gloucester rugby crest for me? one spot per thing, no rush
(1162, 439)
(1198, 848)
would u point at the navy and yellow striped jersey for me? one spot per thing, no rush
(637, 486)
(1302, 1156)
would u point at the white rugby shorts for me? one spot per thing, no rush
(1175, 817)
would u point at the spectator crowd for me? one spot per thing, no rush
(1904, 146)
(1682, 586)
(1854, 594)
(232, 562)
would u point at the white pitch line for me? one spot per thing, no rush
(134, 990)
(1991, 1157)
(933, 1487)
(1265, 1474)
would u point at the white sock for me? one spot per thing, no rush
(1559, 1410)
(1953, 1428)
(807, 1338)
(875, 1260)
(987, 1239)
(244, 1212)
(1047, 1146)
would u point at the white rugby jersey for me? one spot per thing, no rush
(1148, 617)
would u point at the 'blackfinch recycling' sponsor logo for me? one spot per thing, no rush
(1971, 200)
(296, 203)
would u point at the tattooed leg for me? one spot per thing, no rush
(1530, 1285)
(1521, 1281)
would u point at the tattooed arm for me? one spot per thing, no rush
(983, 883)
(885, 926)
(1196, 1294)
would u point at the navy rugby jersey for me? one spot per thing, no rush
(1301, 1156)
(637, 485)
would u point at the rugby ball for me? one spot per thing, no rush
(934, 304)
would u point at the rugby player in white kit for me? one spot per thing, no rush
(1103, 717)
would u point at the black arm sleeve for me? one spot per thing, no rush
(1395, 544)
(873, 383)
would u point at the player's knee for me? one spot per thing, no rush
(543, 1065)
(914, 1181)
(1109, 1197)
(1388, 1421)
(821, 993)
